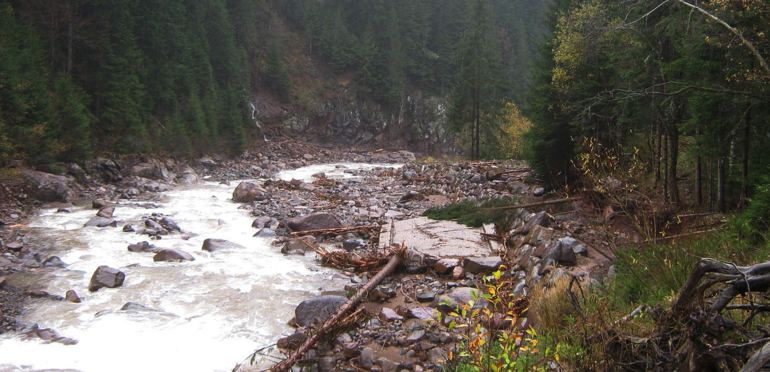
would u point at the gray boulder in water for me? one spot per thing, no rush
(317, 310)
(106, 277)
(247, 192)
(213, 245)
(101, 222)
(173, 255)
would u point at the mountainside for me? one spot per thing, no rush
(188, 77)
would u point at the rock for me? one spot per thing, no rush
(482, 265)
(15, 246)
(538, 191)
(292, 342)
(101, 222)
(303, 244)
(44, 294)
(409, 196)
(153, 169)
(141, 247)
(187, 176)
(54, 261)
(170, 225)
(106, 212)
(318, 221)
(539, 219)
(266, 233)
(106, 277)
(446, 265)
(423, 313)
(426, 296)
(261, 222)
(47, 187)
(387, 365)
(458, 273)
(172, 255)
(367, 358)
(415, 336)
(106, 170)
(353, 244)
(150, 224)
(561, 253)
(72, 296)
(437, 355)
(458, 296)
(575, 245)
(247, 192)
(389, 315)
(408, 174)
(133, 306)
(213, 245)
(129, 228)
(317, 310)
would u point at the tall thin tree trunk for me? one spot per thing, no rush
(745, 174)
(664, 163)
(721, 204)
(698, 181)
(674, 158)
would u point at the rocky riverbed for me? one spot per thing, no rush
(400, 331)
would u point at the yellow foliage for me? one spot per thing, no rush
(513, 125)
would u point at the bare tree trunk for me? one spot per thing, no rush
(745, 174)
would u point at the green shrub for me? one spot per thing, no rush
(475, 213)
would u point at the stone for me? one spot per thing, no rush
(456, 297)
(302, 244)
(409, 196)
(266, 233)
(106, 277)
(318, 221)
(213, 245)
(172, 255)
(141, 247)
(247, 192)
(101, 222)
(446, 265)
(106, 212)
(562, 254)
(150, 224)
(538, 191)
(353, 244)
(458, 273)
(187, 176)
(482, 265)
(437, 355)
(426, 296)
(261, 222)
(54, 261)
(575, 245)
(540, 219)
(388, 315)
(387, 365)
(15, 246)
(129, 228)
(72, 296)
(367, 358)
(317, 310)
(169, 224)
(153, 169)
(47, 187)
(423, 313)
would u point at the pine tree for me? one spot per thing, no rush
(478, 93)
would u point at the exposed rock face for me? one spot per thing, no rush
(48, 187)
(247, 192)
(317, 310)
(106, 277)
(314, 222)
(213, 245)
(173, 255)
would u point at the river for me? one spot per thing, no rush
(212, 312)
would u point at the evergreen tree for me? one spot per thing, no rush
(277, 76)
(478, 93)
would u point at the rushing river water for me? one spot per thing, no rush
(214, 311)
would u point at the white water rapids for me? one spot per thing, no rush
(215, 311)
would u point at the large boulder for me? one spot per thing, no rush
(247, 192)
(141, 247)
(106, 277)
(153, 169)
(106, 170)
(48, 187)
(317, 310)
(213, 245)
(173, 255)
(318, 221)
(482, 265)
(187, 176)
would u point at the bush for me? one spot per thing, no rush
(475, 213)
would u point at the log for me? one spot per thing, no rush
(336, 231)
(758, 360)
(286, 364)
(532, 205)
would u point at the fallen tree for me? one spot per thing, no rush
(334, 321)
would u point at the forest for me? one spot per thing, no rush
(79, 77)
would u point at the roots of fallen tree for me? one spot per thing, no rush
(718, 322)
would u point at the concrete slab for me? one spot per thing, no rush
(439, 239)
